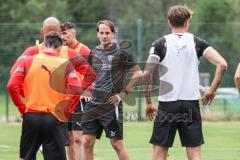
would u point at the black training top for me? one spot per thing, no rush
(110, 67)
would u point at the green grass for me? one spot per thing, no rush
(12, 110)
(222, 142)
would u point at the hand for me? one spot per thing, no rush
(116, 99)
(150, 111)
(86, 95)
(207, 97)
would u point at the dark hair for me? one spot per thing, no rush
(67, 25)
(106, 22)
(53, 40)
(178, 14)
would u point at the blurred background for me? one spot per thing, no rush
(141, 22)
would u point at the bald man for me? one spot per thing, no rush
(50, 24)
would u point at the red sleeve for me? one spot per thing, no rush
(72, 79)
(74, 104)
(15, 83)
(82, 66)
(72, 84)
(28, 52)
(89, 75)
(84, 51)
(72, 53)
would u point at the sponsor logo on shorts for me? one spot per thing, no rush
(112, 133)
(79, 124)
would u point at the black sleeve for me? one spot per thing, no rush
(159, 48)
(89, 58)
(127, 60)
(200, 46)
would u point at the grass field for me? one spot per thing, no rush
(222, 142)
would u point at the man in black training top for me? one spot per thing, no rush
(110, 63)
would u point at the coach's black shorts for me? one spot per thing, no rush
(180, 115)
(45, 129)
(111, 122)
(74, 124)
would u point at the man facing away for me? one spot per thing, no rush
(50, 24)
(45, 108)
(179, 54)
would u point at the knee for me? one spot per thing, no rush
(87, 142)
(117, 145)
(70, 137)
(77, 140)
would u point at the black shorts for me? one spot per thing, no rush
(45, 129)
(111, 122)
(74, 124)
(180, 115)
(64, 132)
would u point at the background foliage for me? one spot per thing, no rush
(216, 21)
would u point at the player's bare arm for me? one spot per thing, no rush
(151, 64)
(237, 78)
(221, 66)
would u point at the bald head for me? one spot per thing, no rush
(50, 24)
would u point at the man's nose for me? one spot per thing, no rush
(104, 35)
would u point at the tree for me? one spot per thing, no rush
(214, 17)
(89, 11)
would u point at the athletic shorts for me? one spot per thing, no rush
(64, 132)
(45, 129)
(180, 115)
(111, 122)
(74, 124)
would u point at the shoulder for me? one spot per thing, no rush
(85, 51)
(71, 53)
(160, 42)
(31, 51)
(158, 45)
(198, 40)
(95, 50)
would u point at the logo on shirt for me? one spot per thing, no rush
(46, 69)
(110, 58)
(107, 63)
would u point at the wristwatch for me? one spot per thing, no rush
(125, 91)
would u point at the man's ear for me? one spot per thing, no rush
(97, 34)
(185, 24)
(74, 32)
